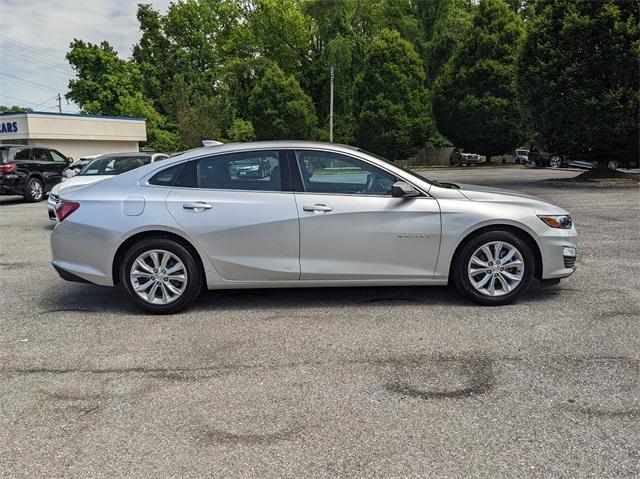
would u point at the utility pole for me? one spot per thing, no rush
(331, 107)
(59, 103)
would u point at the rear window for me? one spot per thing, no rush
(3, 154)
(114, 166)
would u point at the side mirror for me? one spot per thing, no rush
(400, 189)
(69, 159)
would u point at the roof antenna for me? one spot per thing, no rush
(211, 143)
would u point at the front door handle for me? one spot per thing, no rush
(197, 206)
(317, 208)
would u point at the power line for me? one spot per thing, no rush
(37, 61)
(31, 103)
(27, 82)
(35, 51)
(20, 99)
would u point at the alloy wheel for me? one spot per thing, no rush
(555, 161)
(36, 190)
(496, 268)
(158, 276)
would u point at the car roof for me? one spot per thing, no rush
(134, 154)
(263, 145)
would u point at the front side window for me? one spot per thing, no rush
(328, 172)
(250, 170)
(58, 157)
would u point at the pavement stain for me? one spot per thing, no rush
(16, 265)
(475, 373)
(632, 413)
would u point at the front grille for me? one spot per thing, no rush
(569, 261)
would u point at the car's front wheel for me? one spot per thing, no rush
(494, 268)
(160, 275)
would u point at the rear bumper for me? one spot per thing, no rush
(83, 251)
(67, 275)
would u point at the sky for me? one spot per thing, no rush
(35, 37)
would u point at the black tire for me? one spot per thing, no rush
(33, 190)
(463, 257)
(194, 275)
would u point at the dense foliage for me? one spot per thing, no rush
(237, 70)
(475, 97)
(579, 77)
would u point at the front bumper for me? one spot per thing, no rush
(559, 252)
(52, 202)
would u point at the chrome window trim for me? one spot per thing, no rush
(144, 181)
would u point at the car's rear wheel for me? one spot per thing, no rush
(555, 161)
(160, 275)
(33, 190)
(494, 268)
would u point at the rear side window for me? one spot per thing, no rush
(255, 170)
(168, 176)
(249, 170)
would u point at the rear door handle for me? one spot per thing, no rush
(317, 208)
(197, 206)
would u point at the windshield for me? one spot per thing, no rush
(114, 166)
(406, 170)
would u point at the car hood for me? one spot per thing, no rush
(496, 195)
(77, 182)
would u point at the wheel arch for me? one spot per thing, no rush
(518, 231)
(37, 175)
(131, 240)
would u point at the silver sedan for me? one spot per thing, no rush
(318, 215)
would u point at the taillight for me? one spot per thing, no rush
(65, 208)
(8, 168)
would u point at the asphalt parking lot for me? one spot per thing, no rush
(354, 382)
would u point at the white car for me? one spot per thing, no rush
(74, 168)
(101, 168)
(167, 231)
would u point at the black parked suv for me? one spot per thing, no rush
(543, 156)
(30, 171)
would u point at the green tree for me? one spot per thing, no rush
(393, 107)
(280, 108)
(159, 137)
(14, 109)
(578, 77)
(241, 130)
(475, 103)
(102, 78)
(445, 24)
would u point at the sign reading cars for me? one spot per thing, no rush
(9, 127)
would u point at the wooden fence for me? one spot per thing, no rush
(437, 157)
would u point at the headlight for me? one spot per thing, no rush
(563, 221)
